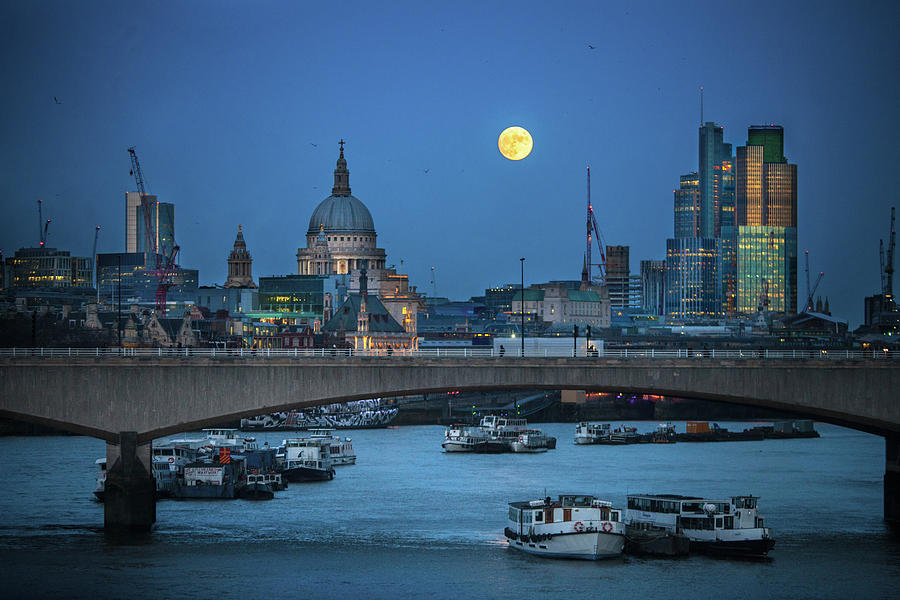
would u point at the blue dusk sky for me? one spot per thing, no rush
(236, 108)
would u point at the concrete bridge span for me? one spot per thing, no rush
(130, 401)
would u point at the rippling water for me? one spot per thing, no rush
(408, 521)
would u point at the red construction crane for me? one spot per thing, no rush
(592, 228)
(163, 266)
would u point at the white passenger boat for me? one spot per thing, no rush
(713, 526)
(573, 526)
(502, 432)
(530, 441)
(624, 435)
(591, 433)
(463, 438)
(341, 450)
(100, 486)
(306, 459)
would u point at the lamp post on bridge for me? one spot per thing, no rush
(522, 260)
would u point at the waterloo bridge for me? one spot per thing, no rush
(130, 397)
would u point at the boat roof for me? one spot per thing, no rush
(561, 500)
(690, 498)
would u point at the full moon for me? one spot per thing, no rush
(515, 143)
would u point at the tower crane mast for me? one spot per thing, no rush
(163, 266)
(593, 229)
(889, 266)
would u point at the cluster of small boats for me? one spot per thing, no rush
(496, 434)
(224, 464)
(586, 527)
(588, 432)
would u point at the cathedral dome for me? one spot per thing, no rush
(341, 214)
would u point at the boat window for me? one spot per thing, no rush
(513, 514)
(614, 515)
(539, 516)
(719, 523)
(729, 522)
(759, 522)
(548, 515)
(567, 514)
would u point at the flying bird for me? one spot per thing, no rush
(55, 99)
(592, 47)
(426, 170)
(313, 145)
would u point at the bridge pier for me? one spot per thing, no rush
(129, 504)
(892, 479)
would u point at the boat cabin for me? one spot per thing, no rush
(566, 508)
(677, 513)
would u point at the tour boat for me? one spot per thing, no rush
(256, 488)
(713, 526)
(307, 459)
(530, 441)
(100, 487)
(341, 451)
(573, 526)
(502, 432)
(624, 435)
(591, 433)
(463, 438)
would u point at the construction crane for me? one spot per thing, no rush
(810, 292)
(43, 226)
(94, 258)
(163, 266)
(887, 262)
(593, 229)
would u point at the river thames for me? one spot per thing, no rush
(410, 521)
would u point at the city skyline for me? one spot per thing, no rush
(235, 128)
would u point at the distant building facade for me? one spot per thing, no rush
(240, 264)
(653, 287)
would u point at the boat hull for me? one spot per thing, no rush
(301, 474)
(750, 548)
(205, 492)
(256, 491)
(584, 545)
(520, 448)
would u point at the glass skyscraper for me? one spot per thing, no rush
(766, 219)
(693, 282)
(687, 206)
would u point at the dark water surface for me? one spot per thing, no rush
(409, 521)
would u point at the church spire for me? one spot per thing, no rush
(341, 176)
(240, 264)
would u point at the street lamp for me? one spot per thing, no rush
(522, 260)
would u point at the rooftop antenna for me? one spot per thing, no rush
(701, 106)
(40, 224)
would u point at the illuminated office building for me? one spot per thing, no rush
(715, 181)
(767, 269)
(127, 273)
(766, 224)
(653, 287)
(687, 206)
(49, 268)
(693, 282)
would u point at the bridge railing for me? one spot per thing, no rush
(440, 353)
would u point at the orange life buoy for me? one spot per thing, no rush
(579, 526)
(607, 526)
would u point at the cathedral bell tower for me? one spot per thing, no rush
(240, 265)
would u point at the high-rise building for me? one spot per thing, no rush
(766, 224)
(693, 282)
(714, 180)
(162, 224)
(129, 274)
(653, 287)
(687, 206)
(624, 290)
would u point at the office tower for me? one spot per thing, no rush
(766, 220)
(687, 206)
(714, 180)
(162, 224)
(624, 290)
(693, 282)
(653, 287)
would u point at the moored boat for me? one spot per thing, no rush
(591, 433)
(340, 450)
(307, 459)
(713, 526)
(573, 526)
(463, 438)
(530, 441)
(256, 488)
(100, 486)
